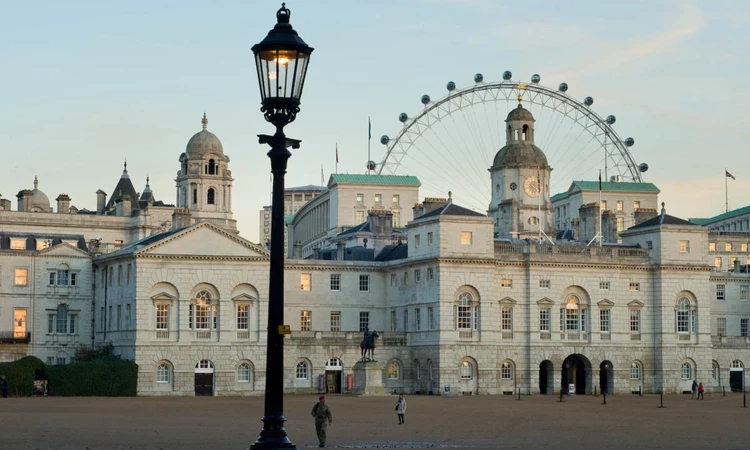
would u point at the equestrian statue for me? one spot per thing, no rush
(368, 345)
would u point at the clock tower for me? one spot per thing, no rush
(520, 182)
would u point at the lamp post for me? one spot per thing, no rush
(281, 60)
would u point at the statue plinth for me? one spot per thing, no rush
(368, 378)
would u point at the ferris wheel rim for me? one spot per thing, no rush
(600, 122)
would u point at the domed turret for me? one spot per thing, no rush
(203, 143)
(520, 149)
(33, 200)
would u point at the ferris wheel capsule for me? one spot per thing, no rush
(536, 78)
(629, 141)
(611, 119)
(371, 165)
(425, 99)
(384, 139)
(507, 75)
(478, 78)
(588, 101)
(451, 86)
(403, 117)
(563, 87)
(643, 167)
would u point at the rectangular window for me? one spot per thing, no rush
(544, 320)
(304, 281)
(636, 205)
(18, 244)
(584, 320)
(243, 317)
(635, 286)
(430, 318)
(650, 245)
(335, 282)
(162, 317)
(429, 273)
(721, 326)
(544, 284)
(393, 279)
(335, 320)
(571, 319)
(506, 319)
(128, 316)
(417, 276)
(394, 325)
(21, 276)
(604, 320)
(743, 327)
(52, 278)
(364, 283)
(619, 205)
(743, 247)
(41, 244)
(364, 321)
(604, 285)
(743, 291)
(119, 317)
(604, 205)
(102, 320)
(378, 199)
(684, 246)
(396, 200)
(620, 224)
(73, 279)
(418, 318)
(360, 198)
(416, 240)
(635, 320)
(717, 263)
(406, 320)
(305, 320)
(127, 276)
(359, 217)
(728, 246)
(396, 219)
(119, 275)
(406, 278)
(429, 238)
(720, 292)
(111, 276)
(466, 238)
(712, 246)
(506, 283)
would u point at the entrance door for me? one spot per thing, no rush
(606, 381)
(204, 384)
(333, 381)
(19, 323)
(545, 378)
(574, 372)
(736, 376)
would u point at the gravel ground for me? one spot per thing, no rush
(475, 422)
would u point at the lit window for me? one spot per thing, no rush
(378, 199)
(604, 205)
(364, 321)
(620, 224)
(18, 244)
(201, 311)
(685, 246)
(393, 370)
(360, 198)
(41, 244)
(243, 373)
(305, 320)
(243, 317)
(635, 371)
(720, 292)
(335, 282)
(743, 247)
(467, 371)
(162, 373)
(634, 286)
(728, 246)
(335, 320)
(21, 276)
(717, 263)
(396, 219)
(506, 283)
(687, 371)
(712, 246)
(396, 200)
(301, 370)
(506, 371)
(619, 205)
(364, 283)
(304, 281)
(636, 205)
(466, 238)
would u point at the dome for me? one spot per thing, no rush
(35, 200)
(520, 153)
(520, 113)
(203, 143)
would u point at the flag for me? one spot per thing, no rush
(600, 180)
(337, 152)
(369, 129)
(729, 175)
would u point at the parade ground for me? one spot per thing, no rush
(473, 422)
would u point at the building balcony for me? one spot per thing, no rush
(15, 337)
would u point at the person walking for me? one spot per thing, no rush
(694, 390)
(401, 408)
(323, 418)
(4, 386)
(700, 390)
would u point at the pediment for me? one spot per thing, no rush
(545, 302)
(64, 249)
(507, 301)
(205, 239)
(636, 304)
(163, 297)
(606, 303)
(244, 298)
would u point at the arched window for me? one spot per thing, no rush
(211, 167)
(683, 315)
(394, 370)
(714, 370)
(506, 371)
(573, 316)
(687, 371)
(62, 319)
(301, 370)
(62, 357)
(417, 375)
(163, 373)
(466, 312)
(430, 370)
(737, 364)
(635, 371)
(202, 311)
(211, 196)
(334, 362)
(525, 131)
(204, 364)
(243, 373)
(467, 370)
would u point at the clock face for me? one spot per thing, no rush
(531, 186)
(513, 186)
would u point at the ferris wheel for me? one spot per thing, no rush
(450, 144)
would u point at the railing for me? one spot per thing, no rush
(243, 334)
(203, 334)
(464, 334)
(15, 337)
(162, 334)
(563, 249)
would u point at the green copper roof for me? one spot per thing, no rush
(289, 218)
(726, 215)
(699, 220)
(559, 196)
(616, 186)
(394, 180)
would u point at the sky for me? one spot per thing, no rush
(87, 84)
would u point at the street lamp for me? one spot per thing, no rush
(281, 60)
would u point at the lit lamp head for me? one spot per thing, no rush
(281, 60)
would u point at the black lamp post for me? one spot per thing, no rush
(281, 60)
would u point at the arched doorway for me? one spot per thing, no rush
(576, 375)
(546, 377)
(334, 375)
(606, 378)
(204, 378)
(737, 376)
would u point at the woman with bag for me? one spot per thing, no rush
(401, 408)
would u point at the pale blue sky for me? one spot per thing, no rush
(87, 83)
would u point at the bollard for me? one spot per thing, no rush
(640, 391)
(594, 391)
(519, 394)
(744, 399)
(723, 391)
(604, 395)
(561, 396)
(661, 399)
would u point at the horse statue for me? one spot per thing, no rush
(368, 345)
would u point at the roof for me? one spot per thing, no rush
(308, 188)
(289, 218)
(451, 209)
(32, 238)
(124, 188)
(393, 252)
(520, 153)
(559, 196)
(726, 215)
(364, 226)
(661, 219)
(520, 113)
(699, 220)
(620, 186)
(392, 180)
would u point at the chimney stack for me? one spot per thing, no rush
(298, 249)
(101, 201)
(181, 218)
(340, 246)
(63, 204)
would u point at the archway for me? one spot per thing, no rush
(737, 376)
(576, 375)
(334, 375)
(546, 377)
(204, 378)
(606, 378)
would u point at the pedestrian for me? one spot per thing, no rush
(401, 408)
(4, 386)
(323, 418)
(700, 390)
(694, 390)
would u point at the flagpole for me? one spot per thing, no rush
(337, 157)
(726, 190)
(321, 175)
(369, 138)
(599, 225)
(539, 205)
